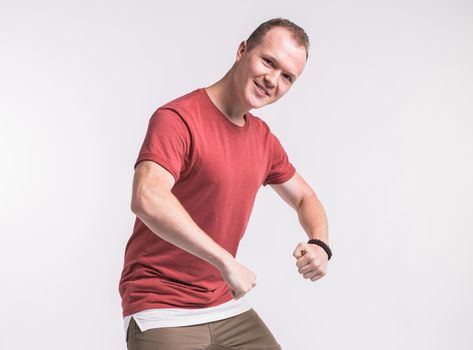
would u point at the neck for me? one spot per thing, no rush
(224, 94)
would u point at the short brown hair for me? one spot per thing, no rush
(299, 35)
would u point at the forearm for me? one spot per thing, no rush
(165, 216)
(313, 218)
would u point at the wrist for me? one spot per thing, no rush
(323, 245)
(225, 259)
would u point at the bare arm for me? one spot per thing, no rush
(313, 218)
(311, 258)
(158, 208)
(311, 213)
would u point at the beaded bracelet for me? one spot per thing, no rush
(323, 245)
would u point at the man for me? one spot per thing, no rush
(201, 164)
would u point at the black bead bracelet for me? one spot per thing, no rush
(323, 245)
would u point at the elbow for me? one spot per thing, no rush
(306, 198)
(139, 203)
(135, 207)
(145, 204)
(139, 197)
(143, 210)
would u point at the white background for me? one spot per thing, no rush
(380, 125)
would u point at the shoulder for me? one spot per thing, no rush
(187, 98)
(178, 110)
(184, 104)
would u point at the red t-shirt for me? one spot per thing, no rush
(219, 168)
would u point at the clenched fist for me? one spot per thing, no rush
(239, 278)
(311, 260)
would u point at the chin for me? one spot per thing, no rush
(254, 101)
(257, 104)
(260, 105)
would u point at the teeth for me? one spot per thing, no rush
(264, 91)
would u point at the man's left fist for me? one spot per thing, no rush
(311, 260)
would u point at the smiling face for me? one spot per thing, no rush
(267, 72)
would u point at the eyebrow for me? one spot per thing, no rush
(277, 63)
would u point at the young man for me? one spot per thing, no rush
(202, 161)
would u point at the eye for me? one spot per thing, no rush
(267, 61)
(288, 77)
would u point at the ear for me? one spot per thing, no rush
(241, 50)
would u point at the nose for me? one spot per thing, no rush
(270, 80)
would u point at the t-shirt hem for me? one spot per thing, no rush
(152, 318)
(133, 309)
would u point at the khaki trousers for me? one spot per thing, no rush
(246, 331)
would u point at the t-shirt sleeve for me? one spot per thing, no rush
(281, 168)
(167, 142)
